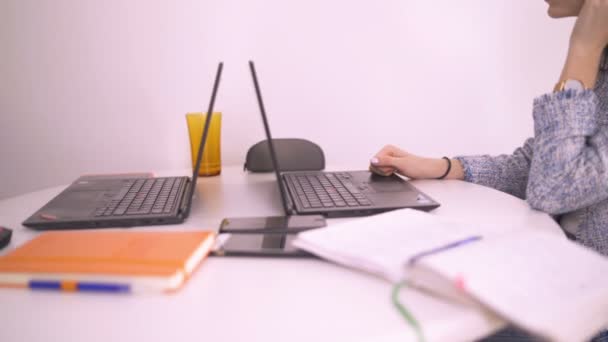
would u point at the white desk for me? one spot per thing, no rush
(249, 299)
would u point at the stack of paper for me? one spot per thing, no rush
(543, 283)
(384, 243)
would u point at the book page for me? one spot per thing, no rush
(543, 283)
(382, 244)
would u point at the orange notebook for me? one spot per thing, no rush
(106, 261)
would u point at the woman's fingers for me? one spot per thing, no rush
(382, 171)
(383, 164)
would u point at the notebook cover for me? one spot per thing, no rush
(115, 253)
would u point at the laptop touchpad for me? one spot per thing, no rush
(388, 184)
(75, 203)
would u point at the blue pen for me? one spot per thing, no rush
(74, 286)
(443, 248)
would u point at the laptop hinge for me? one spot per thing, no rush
(185, 204)
(290, 205)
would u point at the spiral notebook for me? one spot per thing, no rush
(541, 282)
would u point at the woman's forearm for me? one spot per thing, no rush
(457, 171)
(588, 39)
(582, 65)
(436, 167)
(568, 166)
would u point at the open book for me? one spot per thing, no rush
(540, 282)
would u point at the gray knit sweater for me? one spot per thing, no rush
(563, 170)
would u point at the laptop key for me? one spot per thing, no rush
(120, 211)
(137, 212)
(146, 209)
(352, 189)
(169, 207)
(365, 202)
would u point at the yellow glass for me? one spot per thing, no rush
(211, 163)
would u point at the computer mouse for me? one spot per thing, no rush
(5, 236)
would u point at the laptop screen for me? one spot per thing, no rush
(273, 156)
(201, 147)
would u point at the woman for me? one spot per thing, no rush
(563, 169)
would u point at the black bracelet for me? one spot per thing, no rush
(448, 170)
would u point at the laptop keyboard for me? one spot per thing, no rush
(327, 190)
(144, 196)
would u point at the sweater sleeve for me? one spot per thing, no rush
(507, 172)
(568, 168)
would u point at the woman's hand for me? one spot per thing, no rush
(587, 42)
(391, 159)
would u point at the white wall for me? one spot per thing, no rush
(102, 86)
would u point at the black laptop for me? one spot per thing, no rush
(343, 193)
(95, 202)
